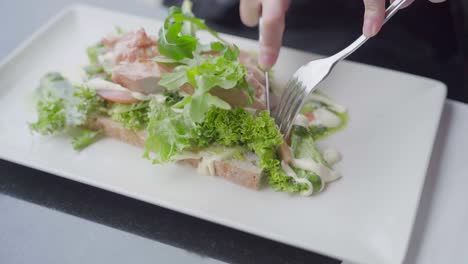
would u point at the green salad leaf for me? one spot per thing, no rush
(62, 107)
(304, 147)
(94, 52)
(177, 38)
(258, 133)
(173, 80)
(205, 73)
(84, 138)
(51, 117)
(169, 133)
(172, 98)
(131, 116)
(94, 69)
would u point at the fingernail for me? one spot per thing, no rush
(266, 61)
(370, 27)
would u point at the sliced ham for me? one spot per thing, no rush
(117, 96)
(133, 46)
(234, 97)
(237, 97)
(140, 77)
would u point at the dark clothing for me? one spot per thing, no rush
(425, 39)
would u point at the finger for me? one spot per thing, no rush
(407, 3)
(374, 15)
(250, 12)
(272, 28)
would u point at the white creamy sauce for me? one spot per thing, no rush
(321, 170)
(100, 84)
(334, 106)
(332, 156)
(207, 159)
(325, 118)
(159, 98)
(290, 172)
(207, 165)
(301, 120)
(108, 60)
(74, 75)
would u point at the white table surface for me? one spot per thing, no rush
(440, 232)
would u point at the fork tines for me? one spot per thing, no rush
(290, 103)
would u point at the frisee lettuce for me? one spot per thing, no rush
(168, 133)
(62, 107)
(131, 116)
(51, 117)
(258, 133)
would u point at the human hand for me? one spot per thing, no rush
(374, 15)
(273, 14)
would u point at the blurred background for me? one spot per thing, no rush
(425, 39)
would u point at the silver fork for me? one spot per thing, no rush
(306, 79)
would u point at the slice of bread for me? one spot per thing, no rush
(244, 173)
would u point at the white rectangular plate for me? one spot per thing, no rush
(365, 217)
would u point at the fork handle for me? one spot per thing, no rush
(389, 12)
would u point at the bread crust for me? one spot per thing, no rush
(231, 170)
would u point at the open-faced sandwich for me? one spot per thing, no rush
(181, 100)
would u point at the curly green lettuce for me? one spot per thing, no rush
(62, 107)
(131, 116)
(51, 117)
(258, 133)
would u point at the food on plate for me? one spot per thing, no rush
(183, 100)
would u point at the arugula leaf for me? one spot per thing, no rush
(174, 45)
(217, 71)
(173, 80)
(177, 38)
(84, 138)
